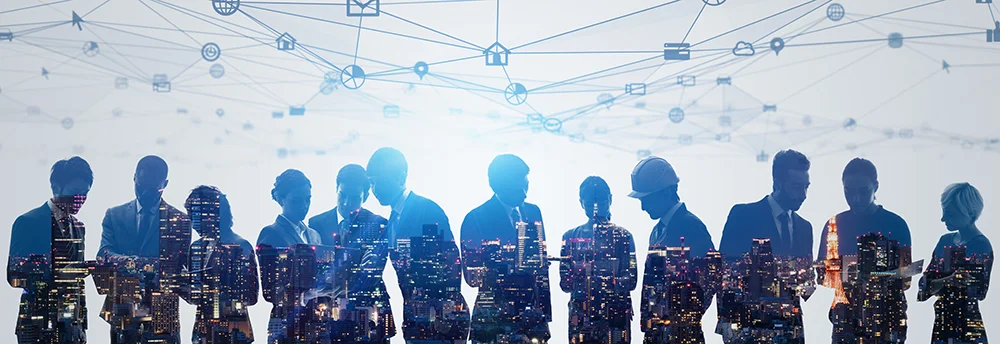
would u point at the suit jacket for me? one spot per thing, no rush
(418, 211)
(366, 237)
(30, 254)
(490, 221)
(281, 233)
(166, 246)
(754, 221)
(655, 287)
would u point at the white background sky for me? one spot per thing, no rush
(450, 135)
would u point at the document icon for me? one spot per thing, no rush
(390, 111)
(363, 8)
(296, 110)
(677, 51)
(636, 89)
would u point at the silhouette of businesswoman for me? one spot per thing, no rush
(323, 275)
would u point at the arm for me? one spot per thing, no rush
(15, 277)
(109, 251)
(565, 267)
(253, 287)
(472, 259)
(627, 266)
(821, 254)
(905, 242)
(546, 291)
(732, 236)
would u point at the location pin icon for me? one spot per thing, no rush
(777, 44)
(421, 69)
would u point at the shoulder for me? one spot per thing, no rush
(979, 245)
(322, 217)
(120, 209)
(892, 218)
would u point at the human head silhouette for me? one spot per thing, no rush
(961, 206)
(860, 184)
(790, 175)
(293, 192)
(352, 189)
(210, 193)
(70, 180)
(508, 176)
(150, 179)
(595, 191)
(387, 172)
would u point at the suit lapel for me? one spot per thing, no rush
(778, 243)
(131, 218)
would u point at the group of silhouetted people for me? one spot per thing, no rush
(323, 275)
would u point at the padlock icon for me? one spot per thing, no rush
(993, 35)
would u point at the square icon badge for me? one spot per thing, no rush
(363, 8)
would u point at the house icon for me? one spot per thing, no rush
(286, 42)
(496, 55)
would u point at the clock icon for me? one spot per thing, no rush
(714, 2)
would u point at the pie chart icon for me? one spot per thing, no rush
(516, 94)
(352, 77)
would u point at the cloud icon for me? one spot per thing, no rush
(743, 49)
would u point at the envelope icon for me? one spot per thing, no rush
(363, 8)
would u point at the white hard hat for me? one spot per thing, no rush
(652, 174)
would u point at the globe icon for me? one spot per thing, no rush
(226, 7)
(676, 115)
(835, 12)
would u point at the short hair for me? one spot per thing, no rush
(964, 197)
(153, 165)
(200, 191)
(594, 186)
(67, 170)
(287, 180)
(505, 166)
(861, 167)
(353, 174)
(788, 160)
(386, 160)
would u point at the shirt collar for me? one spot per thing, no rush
(138, 207)
(507, 209)
(665, 220)
(59, 213)
(398, 207)
(776, 208)
(299, 227)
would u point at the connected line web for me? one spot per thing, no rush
(738, 79)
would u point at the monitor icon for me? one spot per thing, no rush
(676, 51)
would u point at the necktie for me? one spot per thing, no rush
(515, 216)
(784, 231)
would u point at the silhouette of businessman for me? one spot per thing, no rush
(145, 234)
(362, 237)
(882, 299)
(598, 270)
(506, 220)
(421, 246)
(678, 237)
(44, 242)
(770, 230)
(223, 271)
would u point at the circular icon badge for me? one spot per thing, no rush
(217, 71)
(210, 52)
(516, 94)
(352, 77)
(553, 125)
(91, 49)
(67, 123)
(226, 7)
(714, 2)
(835, 12)
(676, 115)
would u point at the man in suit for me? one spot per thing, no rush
(417, 222)
(773, 224)
(361, 237)
(500, 222)
(148, 241)
(655, 184)
(44, 242)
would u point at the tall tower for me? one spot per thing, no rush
(832, 262)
